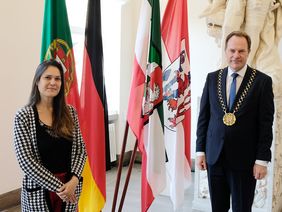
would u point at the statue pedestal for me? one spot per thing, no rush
(263, 192)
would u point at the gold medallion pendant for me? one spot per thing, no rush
(229, 119)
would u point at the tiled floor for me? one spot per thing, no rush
(132, 201)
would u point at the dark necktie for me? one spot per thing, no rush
(232, 94)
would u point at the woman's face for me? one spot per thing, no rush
(50, 82)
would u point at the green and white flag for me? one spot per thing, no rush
(145, 109)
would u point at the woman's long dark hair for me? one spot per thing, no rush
(62, 121)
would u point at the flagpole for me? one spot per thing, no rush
(132, 159)
(120, 166)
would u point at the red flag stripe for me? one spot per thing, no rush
(147, 194)
(170, 31)
(93, 131)
(136, 94)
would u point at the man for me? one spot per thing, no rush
(234, 132)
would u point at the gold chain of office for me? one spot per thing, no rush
(229, 118)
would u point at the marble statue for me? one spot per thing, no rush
(262, 20)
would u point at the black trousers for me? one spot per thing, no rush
(225, 182)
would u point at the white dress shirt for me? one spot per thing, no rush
(239, 79)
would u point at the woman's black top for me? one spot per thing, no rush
(55, 151)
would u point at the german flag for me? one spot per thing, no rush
(94, 114)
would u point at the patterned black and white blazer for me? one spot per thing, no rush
(37, 179)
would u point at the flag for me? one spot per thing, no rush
(94, 114)
(177, 98)
(145, 109)
(57, 44)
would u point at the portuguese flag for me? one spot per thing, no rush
(94, 114)
(57, 44)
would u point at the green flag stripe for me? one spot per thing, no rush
(155, 54)
(155, 40)
(55, 25)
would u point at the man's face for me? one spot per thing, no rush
(237, 52)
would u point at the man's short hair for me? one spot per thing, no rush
(239, 34)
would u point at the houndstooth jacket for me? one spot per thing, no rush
(37, 179)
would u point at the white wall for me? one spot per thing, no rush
(203, 51)
(129, 21)
(204, 58)
(20, 41)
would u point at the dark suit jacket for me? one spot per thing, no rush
(250, 138)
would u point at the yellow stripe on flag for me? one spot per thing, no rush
(91, 199)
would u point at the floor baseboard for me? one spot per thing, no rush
(10, 199)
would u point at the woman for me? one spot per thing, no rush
(49, 145)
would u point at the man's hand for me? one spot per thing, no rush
(201, 162)
(259, 171)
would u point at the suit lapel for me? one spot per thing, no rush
(223, 86)
(244, 83)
